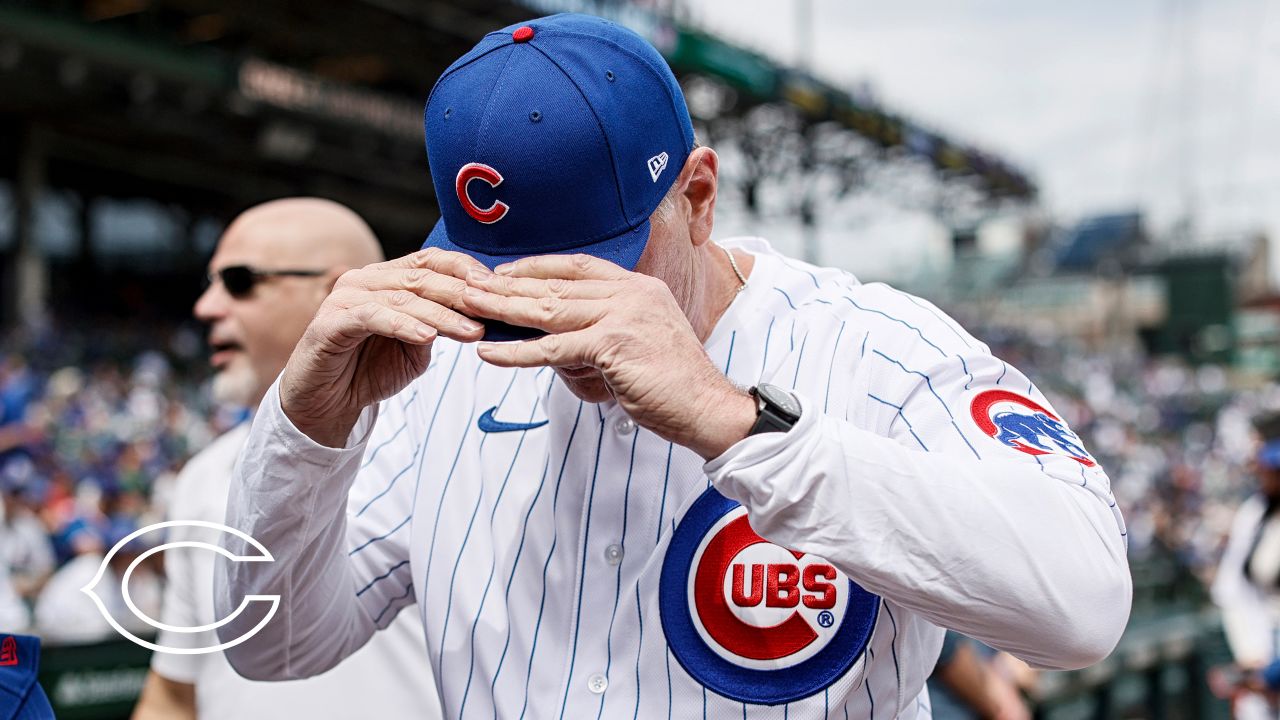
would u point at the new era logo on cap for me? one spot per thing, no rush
(657, 164)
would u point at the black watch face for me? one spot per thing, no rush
(779, 398)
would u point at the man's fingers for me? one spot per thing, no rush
(447, 262)
(449, 323)
(561, 349)
(570, 267)
(348, 327)
(548, 313)
(538, 287)
(429, 284)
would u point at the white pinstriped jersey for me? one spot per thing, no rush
(568, 564)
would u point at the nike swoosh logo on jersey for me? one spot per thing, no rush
(487, 423)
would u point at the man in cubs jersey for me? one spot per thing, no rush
(700, 479)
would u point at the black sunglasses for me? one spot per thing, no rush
(239, 280)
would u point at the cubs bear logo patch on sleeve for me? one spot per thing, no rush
(1018, 422)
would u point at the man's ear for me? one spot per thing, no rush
(700, 178)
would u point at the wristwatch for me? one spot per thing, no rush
(777, 410)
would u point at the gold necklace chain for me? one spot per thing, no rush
(736, 271)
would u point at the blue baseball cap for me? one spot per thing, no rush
(1269, 455)
(557, 135)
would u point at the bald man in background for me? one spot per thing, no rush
(272, 268)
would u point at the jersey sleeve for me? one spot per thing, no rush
(961, 495)
(379, 508)
(339, 577)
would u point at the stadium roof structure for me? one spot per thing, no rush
(225, 102)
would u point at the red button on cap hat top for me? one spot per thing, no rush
(522, 34)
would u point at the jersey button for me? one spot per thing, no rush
(597, 683)
(625, 426)
(613, 554)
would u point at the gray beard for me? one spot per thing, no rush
(234, 388)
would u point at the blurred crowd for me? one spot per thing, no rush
(96, 421)
(1177, 441)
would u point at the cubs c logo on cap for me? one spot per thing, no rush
(754, 621)
(480, 171)
(1024, 425)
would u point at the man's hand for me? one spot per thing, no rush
(371, 337)
(626, 325)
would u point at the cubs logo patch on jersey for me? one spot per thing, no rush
(754, 621)
(1024, 425)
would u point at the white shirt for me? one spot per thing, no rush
(586, 568)
(1250, 614)
(390, 678)
(64, 614)
(26, 542)
(13, 613)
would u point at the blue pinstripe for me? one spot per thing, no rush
(546, 466)
(639, 651)
(409, 466)
(466, 536)
(788, 297)
(733, 336)
(582, 574)
(670, 700)
(929, 384)
(933, 312)
(444, 492)
(407, 590)
(666, 481)
(555, 538)
(866, 683)
(900, 414)
(384, 443)
(448, 380)
(899, 321)
(800, 358)
(626, 502)
(374, 453)
(493, 561)
(834, 350)
(383, 576)
(422, 447)
(812, 277)
(383, 536)
(764, 361)
(893, 646)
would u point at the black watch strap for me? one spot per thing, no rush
(777, 410)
